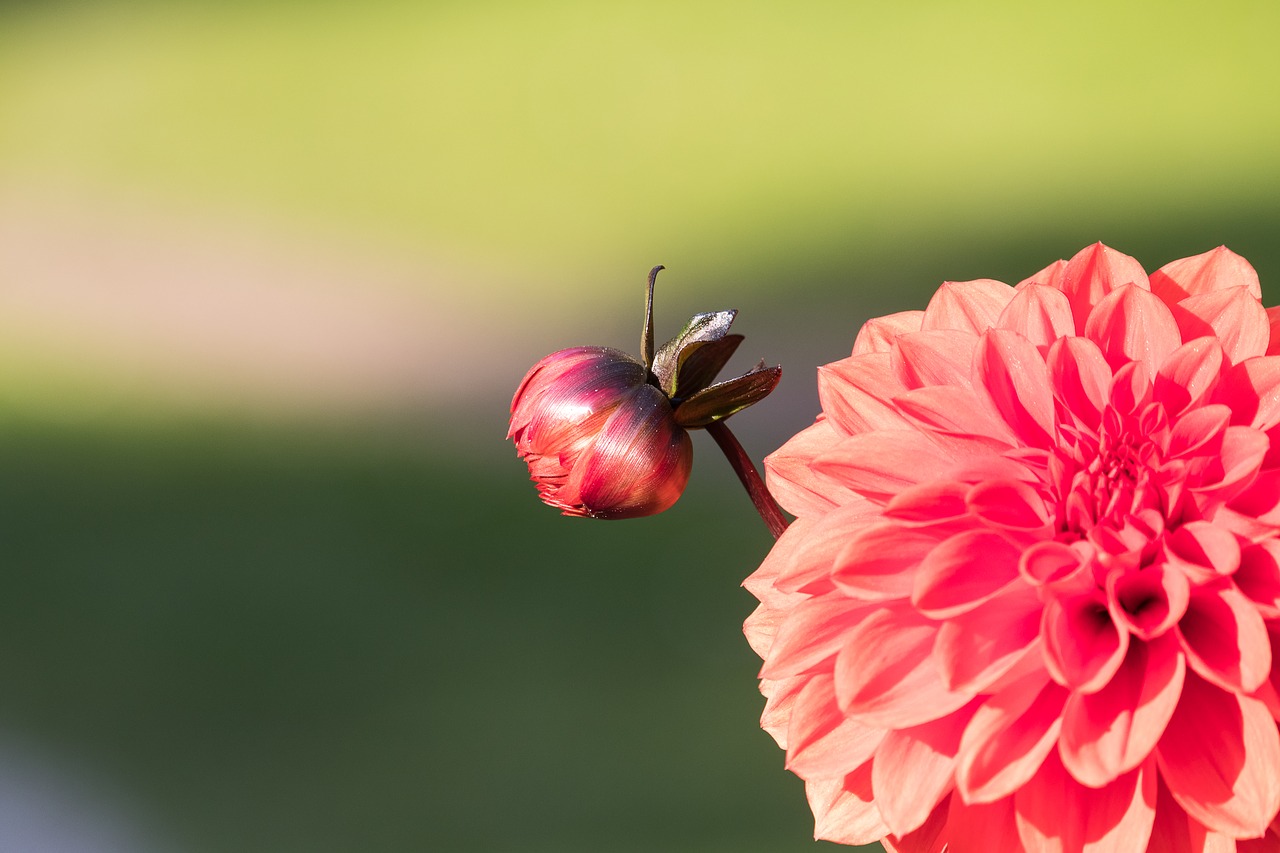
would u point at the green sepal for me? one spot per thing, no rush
(701, 328)
(699, 364)
(725, 398)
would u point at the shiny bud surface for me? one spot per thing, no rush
(599, 439)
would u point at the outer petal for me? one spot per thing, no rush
(886, 676)
(822, 743)
(968, 306)
(1216, 269)
(877, 334)
(1219, 755)
(934, 357)
(792, 480)
(1094, 272)
(878, 465)
(1225, 639)
(857, 393)
(1040, 313)
(976, 648)
(1234, 316)
(981, 828)
(843, 810)
(913, 771)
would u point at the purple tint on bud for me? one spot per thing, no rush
(599, 440)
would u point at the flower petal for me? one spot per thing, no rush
(913, 771)
(1225, 639)
(1189, 375)
(878, 333)
(963, 572)
(791, 479)
(886, 676)
(1234, 316)
(1083, 645)
(1219, 756)
(1216, 269)
(843, 809)
(880, 561)
(878, 465)
(976, 648)
(1056, 813)
(967, 306)
(1252, 390)
(933, 357)
(1008, 738)
(1094, 272)
(1039, 313)
(822, 743)
(1013, 374)
(812, 633)
(857, 393)
(1109, 733)
(1130, 324)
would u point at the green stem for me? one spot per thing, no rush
(768, 508)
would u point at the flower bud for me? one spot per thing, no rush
(605, 435)
(600, 441)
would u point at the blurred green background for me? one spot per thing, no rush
(269, 273)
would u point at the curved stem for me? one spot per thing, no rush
(768, 508)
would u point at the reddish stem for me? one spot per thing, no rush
(768, 508)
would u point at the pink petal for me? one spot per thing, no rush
(886, 676)
(1203, 551)
(878, 465)
(952, 410)
(913, 771)
(967, 306)
(929, 503)
(813, 560)
(1014, 376)
(1040, 313)
(1010, 504)
(812, 633)
(963, 572)
(1130, 324)
(857, 392)
(1234, 316)
(1219, 756)
(981, 827)
(1259, 577)
(927, 839)
(1008, 738)
(1109, 733)
(879, 562)
(1175, 832)
(1225, 639)
(1081, 378)
(1050, 276)
(976, 648)
(1216, 269)
(1094, 272)
(878, 333)
(1056, 814)
(843, 810)
(1083, 645)
(1149, 601)
(1048, 562)
(793, 482)
(1252, 391)
(1273, 317)
(1189, 375)
(933, 358)
(822, 743)
(1199, 432)
(781, 698)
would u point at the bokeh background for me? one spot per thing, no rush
(269, 273)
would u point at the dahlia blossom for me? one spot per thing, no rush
(1031, 598)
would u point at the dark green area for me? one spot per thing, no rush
(274, 639)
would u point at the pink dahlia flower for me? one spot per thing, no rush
(1031, 599)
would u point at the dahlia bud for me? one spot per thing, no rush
(605, 435)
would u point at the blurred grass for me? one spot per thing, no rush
(586, 139)
(315, 640)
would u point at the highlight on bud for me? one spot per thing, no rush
(605, 435)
